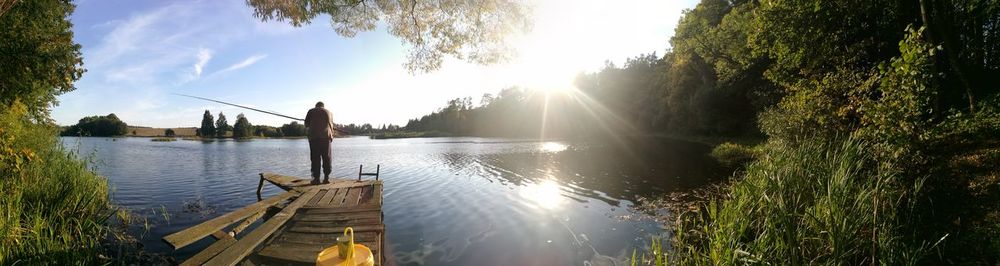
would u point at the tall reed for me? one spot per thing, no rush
(53, 208)
(811, 203)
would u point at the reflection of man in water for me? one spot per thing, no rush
(319, 124)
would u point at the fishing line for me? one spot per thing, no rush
(240, 106)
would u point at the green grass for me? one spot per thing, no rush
(409, 134)
(164, 139)
(814, 203)
(733, 155)
(53, 209)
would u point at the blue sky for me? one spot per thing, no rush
(138, 53)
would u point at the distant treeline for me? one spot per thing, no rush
(212, 127)
(676, 94)
(220, 128)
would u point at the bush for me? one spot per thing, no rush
(814, 203)
(53, 209)
(293, 129)
(98, 126)
(267, 131)
(732, 154)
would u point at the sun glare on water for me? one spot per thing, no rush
(553, 147)
(544, 194)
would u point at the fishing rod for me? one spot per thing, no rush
(251, 108)
(240, 106)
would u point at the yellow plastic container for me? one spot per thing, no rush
(356, 254)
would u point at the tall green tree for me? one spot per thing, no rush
(207, 125)
(221, 126)
(242, 128)
(474, 31)
(38, 58)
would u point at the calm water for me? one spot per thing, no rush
(447, 201)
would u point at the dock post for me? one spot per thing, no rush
(377, 166)
(360, 167)
(260, 186)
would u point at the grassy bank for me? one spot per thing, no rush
(53, 209)
(409, 134)
(814, 202)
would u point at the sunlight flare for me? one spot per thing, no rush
(544, 194)
(553, 147)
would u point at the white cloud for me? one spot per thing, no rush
(127, 36)
(245, 63)
(204, 54)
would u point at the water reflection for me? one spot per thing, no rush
(544, 194)
(553, 147)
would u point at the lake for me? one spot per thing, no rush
(447, 201)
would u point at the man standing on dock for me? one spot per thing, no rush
(319, 124)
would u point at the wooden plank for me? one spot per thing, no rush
(328, 210)
(353, 196)
(318, 226)
(318, 196)
(292, 253)
(338, 216)
(325, 240)
(366, 194)
(377, 194)
(285, 182)
(246, 222)
(334, 229)
(341, 194)
(212, 250)
(192, 234)
(244, 246)
(328, 197)
(221, 235)
(305, 253)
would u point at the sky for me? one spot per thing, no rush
(138, 54)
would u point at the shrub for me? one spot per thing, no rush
(98, 126)
(732, 154)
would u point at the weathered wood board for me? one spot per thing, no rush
(311, 222)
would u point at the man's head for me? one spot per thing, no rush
(319, 104)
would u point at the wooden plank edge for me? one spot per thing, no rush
(193, 234)
(212, 250)
(243, 247)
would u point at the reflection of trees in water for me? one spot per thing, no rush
(604, 172)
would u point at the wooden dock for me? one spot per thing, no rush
(292, 233)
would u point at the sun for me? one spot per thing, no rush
(549, 77)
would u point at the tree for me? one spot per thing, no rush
(242, 128)
(221, 126)
(98, 126)
(474, 31)
(293, 129)
(39, 58)
(207, 125)
(169, 133)
(267, 131)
